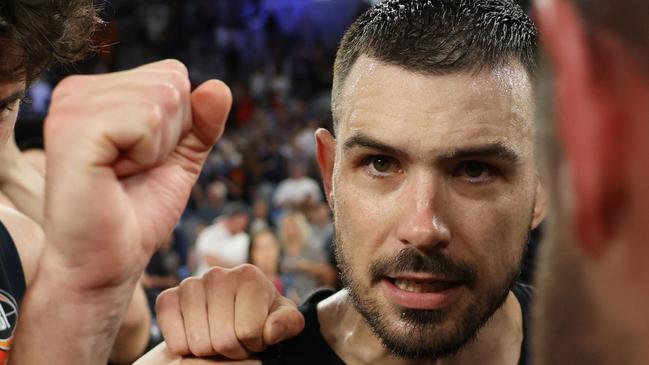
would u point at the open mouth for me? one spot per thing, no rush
(423, 286)
(422, 292)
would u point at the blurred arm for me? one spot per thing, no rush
(133, 335)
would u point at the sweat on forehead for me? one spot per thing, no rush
(438, 37)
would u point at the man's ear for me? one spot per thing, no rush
(585, 89)
(540, 205)
(326, 155)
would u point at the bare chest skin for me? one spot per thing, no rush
(498, 342)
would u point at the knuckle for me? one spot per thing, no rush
(165, 298)
(153, 116)
(170, 98)
(247, 272)
(176, 347)
(199, 347)
(190, 284)
(177, 66)
(227, 346)
(67, 85)
(214, 276)
(248, 333)
(180, 80)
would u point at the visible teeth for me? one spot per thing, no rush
(415, 287)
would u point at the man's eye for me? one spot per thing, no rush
(8, 107)
(475, 171)
(381, 165)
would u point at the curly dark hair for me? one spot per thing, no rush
(37, 33)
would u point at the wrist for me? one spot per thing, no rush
(84, 276)
(78, 326)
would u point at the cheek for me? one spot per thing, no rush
(492, 234)
(363, 221)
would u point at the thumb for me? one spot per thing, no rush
(284, 321)
(211, 103)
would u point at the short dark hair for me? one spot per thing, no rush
(34, 34)
(438, 37)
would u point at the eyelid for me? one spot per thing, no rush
(10, 106)
(366, 162)
(490, 170)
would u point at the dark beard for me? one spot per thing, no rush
(417, 339)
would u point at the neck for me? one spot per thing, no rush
(348, 334)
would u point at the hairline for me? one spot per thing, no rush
(339, 85)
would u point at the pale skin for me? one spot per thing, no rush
(22, 182)
(140, 138)
(392, 187)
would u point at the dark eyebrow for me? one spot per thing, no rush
(365, 141)
(493, 150)
(12, 98)
(496, 150)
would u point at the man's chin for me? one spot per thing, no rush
(426, 334)
(418, 334)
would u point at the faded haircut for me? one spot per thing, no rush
(36, 33)
(438, 37)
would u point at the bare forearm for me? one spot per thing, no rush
(63, 325)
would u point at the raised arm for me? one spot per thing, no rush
(123, 152)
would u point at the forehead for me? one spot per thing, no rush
(437, 111)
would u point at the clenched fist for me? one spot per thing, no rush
(123, 152)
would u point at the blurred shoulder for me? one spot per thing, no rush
(28, 237)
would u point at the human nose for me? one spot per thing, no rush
(422, 224)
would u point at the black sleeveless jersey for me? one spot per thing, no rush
(309, 347)
(12, 289)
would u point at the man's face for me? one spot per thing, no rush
(10, 95)
(433, 189)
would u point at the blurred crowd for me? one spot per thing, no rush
(259, 198)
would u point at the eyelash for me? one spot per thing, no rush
(490, 170)
(366, 162)
(10, 107)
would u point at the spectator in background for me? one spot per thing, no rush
(162, 272)
(305, 140)
(322, 227)
(298, 190)
(265, 254)
(304, 267)
(224, 243)
(260, 214)
(216, 195)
